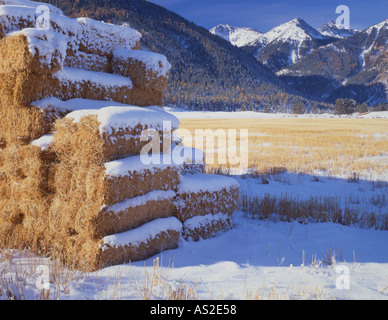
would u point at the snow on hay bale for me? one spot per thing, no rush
(76, 193)
(30, 56)
(80, 44)
(82, 34)
(70, 83)
(33, 50)
(203, 227)
(132, 213)
(33, 4)
(109, 133)
(83, 191)
(93, 201)
(203, 194)
(146, 69)
(193, 160)
(87, 254)
(88, 61)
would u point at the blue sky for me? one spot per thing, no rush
(264, 15)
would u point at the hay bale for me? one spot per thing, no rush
(3, 142)
(89, 62)
(202, 194)
(15, 18)
(204, 227)
(33, 4)
(145, 69)
(192, 159)
(32, 51)
(23, 88)
(29, 165)
(71, 83)
(31, 56)
(87, 254)
(21, 125)
(130, 177)
(103, 38)
(132, 213)
(115, 181)
(25, 193)
(83, 190)
(101, 135)
(82, 34)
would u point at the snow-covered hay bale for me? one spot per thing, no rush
(23, 88)
(202, 194)
(87, 61)
(114, 181)
(132, 213)
(85, 191)
(82, 34)
(32, 4)
(29, 57)
(145, 69)
(130, 177)
(103, 38)
(33, 50)
(204, 227)
(101, 135)
(83, 253)
(193, 160)
(71, 83)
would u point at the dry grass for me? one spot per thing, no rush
(329, 146)
(313, 210)
(352, 148)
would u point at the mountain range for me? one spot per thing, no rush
(285, 44)
(325, 63)
(354, 67)
(233, 68)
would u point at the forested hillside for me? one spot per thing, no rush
(208, 72)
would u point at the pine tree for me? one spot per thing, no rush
(299, 108)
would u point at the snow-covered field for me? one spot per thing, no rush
(257, 259)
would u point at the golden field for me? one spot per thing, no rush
(348, 147)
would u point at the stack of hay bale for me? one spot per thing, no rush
(75, 101)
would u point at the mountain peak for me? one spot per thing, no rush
(294, 30)
(297, 20)
(237, 36)
(331, 29)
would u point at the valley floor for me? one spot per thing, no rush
(260, 258)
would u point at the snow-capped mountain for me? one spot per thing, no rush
(237, 36)
(288, 43)
(355, 67)
(280, 47)
(294, 30)
(331, 29)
